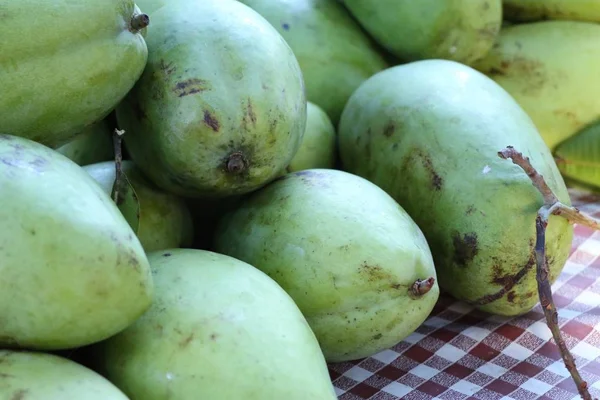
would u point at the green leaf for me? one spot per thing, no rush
(578, 158)
(128, 202)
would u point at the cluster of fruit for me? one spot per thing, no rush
(214, 198)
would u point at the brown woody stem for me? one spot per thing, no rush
(422, 286)
(139, 22)
(552, 206)
(118, 150)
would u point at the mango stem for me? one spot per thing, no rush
(551, 206)
(139, 22)
(422, 287)
(118, 152)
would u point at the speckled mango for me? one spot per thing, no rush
(429, 133)
(65, 64)
(72, 271)
(218, 329)
(537, 10)
(164, 219)
(334, 53)
(27, 375)
(459, 30)
(220, 108)
(345, 251)
(550, 68)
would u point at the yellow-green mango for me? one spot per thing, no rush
(218, 329)
(220, 109)
(164, 219)
(94, 144)
(578, 158)
(550, 68)
(537, 10)
(334, 53)
(27, 375)
(72, 271)
(429, 133)
(319, 147)
(65, 64)
(345, 251)
(459, 30)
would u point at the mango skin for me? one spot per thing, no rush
(319, 144)
(549, 67)
(214, 88)
(72, 272)
(578, 158)
(55, 81)
(428, 133)
(459, 30)
(39, 376)
(219, 329)
(344, 250)
(334, 53)
(537, 10)
(165, 220)
(94, 144)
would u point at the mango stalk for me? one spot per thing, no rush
(551, 206)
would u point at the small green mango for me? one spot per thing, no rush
(66, 64)
(164, 220)
(537, 10)
(345, 251)
(72, 272)
(334, 53)
(319, 147)
(26, 375)
(459, 30)
(550, 68)
(219, 329)
(578, 158)
(429, 133)
(94, 144)
(220, 108)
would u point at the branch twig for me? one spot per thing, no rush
(117, 145)
(552, 206)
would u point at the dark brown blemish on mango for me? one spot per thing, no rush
(377, 336)
(470, 210)
(285, 26)
(507, 281)
(186, 341)
(166, 68)
(249, 117)
(511, 296)
(190, 86)
(465, 247)
(389, 129)
(211, 121)
(436, 180)
(166, 254)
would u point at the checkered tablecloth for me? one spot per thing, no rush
(461, 353)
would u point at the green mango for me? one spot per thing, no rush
(429, 133)
(578, 158)
(219, 329)
(318, 147)
(94, 144)
(550, 68)
(72, 272)
(220, 108)
(537, 10)
(65, 64)
(26, 375)
(334, 53)
(459, 30)
(344, 250)
(164, 220)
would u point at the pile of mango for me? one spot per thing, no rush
(212, 199)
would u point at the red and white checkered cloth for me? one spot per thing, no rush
(461, 353)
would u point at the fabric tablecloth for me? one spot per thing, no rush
(461, 353)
